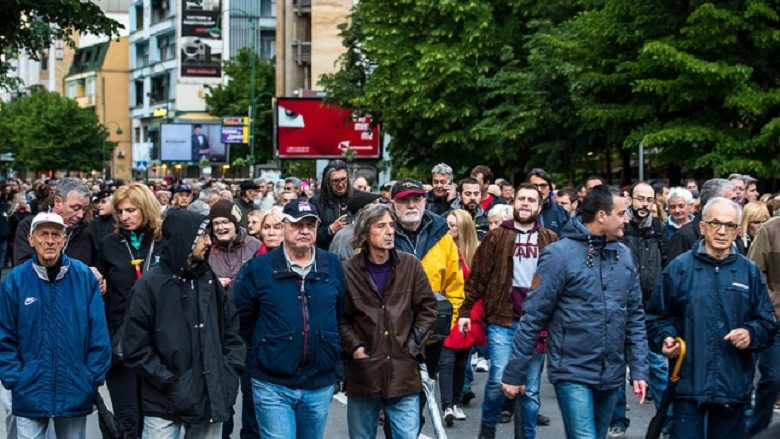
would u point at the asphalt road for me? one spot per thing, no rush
(640, 416)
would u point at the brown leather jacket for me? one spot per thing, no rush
(392, 329)
(491, 273)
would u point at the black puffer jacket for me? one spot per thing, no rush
(182, 332)
(648, 247)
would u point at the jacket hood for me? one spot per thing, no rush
(180, 229)
(700, 253)
(577, 231)
(325, 194)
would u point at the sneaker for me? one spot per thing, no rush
(483, 365)
(459, 415)
(468, 395)
(449, 416)
(506, 417)
(487, 432)
(542, 420)
(616, 431)
(474, 360)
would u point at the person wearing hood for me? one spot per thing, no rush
(332, 201)
(181, 334)
(290, 303)
(231, 246)
(501, 273)
(717, 301)
(586, 293)
(469, 200)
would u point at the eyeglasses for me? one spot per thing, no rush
(541, 185)
(339, 181)
(220, 223)
(716, 225)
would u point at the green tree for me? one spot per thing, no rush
(44, 130)
(31, 26)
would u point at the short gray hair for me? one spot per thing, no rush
(71, 184)
(715, 187)
(727, 202)
(680, 192)
(365, 219)
(442, 168)
(736, 176)
(501, 211)
(207, 193)
(294, 180)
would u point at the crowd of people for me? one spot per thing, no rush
(179, 294)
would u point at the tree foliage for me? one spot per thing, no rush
(31, 26)
(561, 83)
(44, 130)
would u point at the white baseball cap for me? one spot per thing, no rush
(46, 218)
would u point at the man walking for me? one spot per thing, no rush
(586, 293)
(469, 200)
(54, 345)
(389, 315)
(717, 301)
(290, 302)
(444, 192)
(503, 267)
(182, 335)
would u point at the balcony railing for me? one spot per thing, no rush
(302, 52)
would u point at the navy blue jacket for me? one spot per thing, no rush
(291, 324)
(701, 299)
(553, 216)
(54, 346)
(591, 304)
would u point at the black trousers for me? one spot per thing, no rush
(452, 375)
(124, 387)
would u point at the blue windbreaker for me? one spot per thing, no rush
(54, 345)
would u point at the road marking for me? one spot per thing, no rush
(340, 397)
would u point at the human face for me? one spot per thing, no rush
(565, 202)
(202, 245)
(542, 185)
(286, 198)
(739, 184)
(130, 216)
(104, 206)
(71, 209)
(719, 229)
(661, 196)
(452, 224)
(250, 194)
(483, 185)
(182, 199)
(641, 199)
(339, 182)
(470, 196)
(507, 192)
(224, 229)
(678, 210)
(731, 195)
(361, 184)
(47, 240)
(299, 236)
(692, 186)
(493, 222)
(590, 184)
(290, 187)
(409, 210)
(526, 206)
(272, 232)
(253, 225)
(751, 193)
(753, 227)
(164, 199)
(615, 221)
(382, 233)
(440, 182)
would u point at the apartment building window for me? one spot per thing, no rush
(91, 85)
(139, 17)
(160, 88)
(141, 54)
(267, 44)
(45, 61)
(160, 10)
(268, 8)
(166, 47)
(139, 92)
(137, 135)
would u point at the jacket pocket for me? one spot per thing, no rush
(82, 388)
(278, 353)
(26, 392)
(364, 376)
(328, 348)
(181, 396)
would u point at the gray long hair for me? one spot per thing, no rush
(365, 218)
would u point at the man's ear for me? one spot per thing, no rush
(30, 239)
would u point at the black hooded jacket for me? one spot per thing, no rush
(182, 332)
(329, 206)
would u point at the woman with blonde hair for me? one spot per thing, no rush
(461, 227)
(255, 223)
(123, 257)
(754, 215)
(271, 230)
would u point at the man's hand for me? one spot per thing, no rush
(225, 281)
(101, 280)
(464, 324)
(360, 353)
(670, 348)
(640, 390)
(337, 225)
(511, 391)
(739, 337)
(452, 192)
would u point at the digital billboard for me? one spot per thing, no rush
(200, 46)
(307, 128)
(191, 142)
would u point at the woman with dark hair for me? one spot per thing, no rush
(123, 257)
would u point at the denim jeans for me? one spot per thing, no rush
(452, 374)
(531, 402)
(712, 421)
(159, 428)
(768, 388)
(500, 347)
(586, 412)
(66, 428)
(284, 413)
(401, 413)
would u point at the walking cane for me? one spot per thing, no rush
(657, 423)
(518, 416)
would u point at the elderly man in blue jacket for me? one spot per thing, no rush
(54, 345)
(586, 293)
(717, 301)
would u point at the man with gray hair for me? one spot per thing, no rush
(678, 203)
(683, 240)
(716, 300)
(439, 200)
(70, 201)
(207, 198)
(738, 180)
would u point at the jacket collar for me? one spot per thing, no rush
(41, 271)
(282, 269)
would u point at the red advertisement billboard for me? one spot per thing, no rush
(307, 128)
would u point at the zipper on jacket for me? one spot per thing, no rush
(53, 356)
(305, 317)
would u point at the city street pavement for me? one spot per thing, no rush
(640, 416)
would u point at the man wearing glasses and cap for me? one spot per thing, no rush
(290, 302)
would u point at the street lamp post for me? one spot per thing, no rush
(118, 133)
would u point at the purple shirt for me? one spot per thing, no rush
(379, 274)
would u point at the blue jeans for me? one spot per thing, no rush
(159, 428)
(284, 413)
(768, 388)
(531, 401)
(66, 428)
(500, 348)
(712, 421)
(586, 412)
(402, 413)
